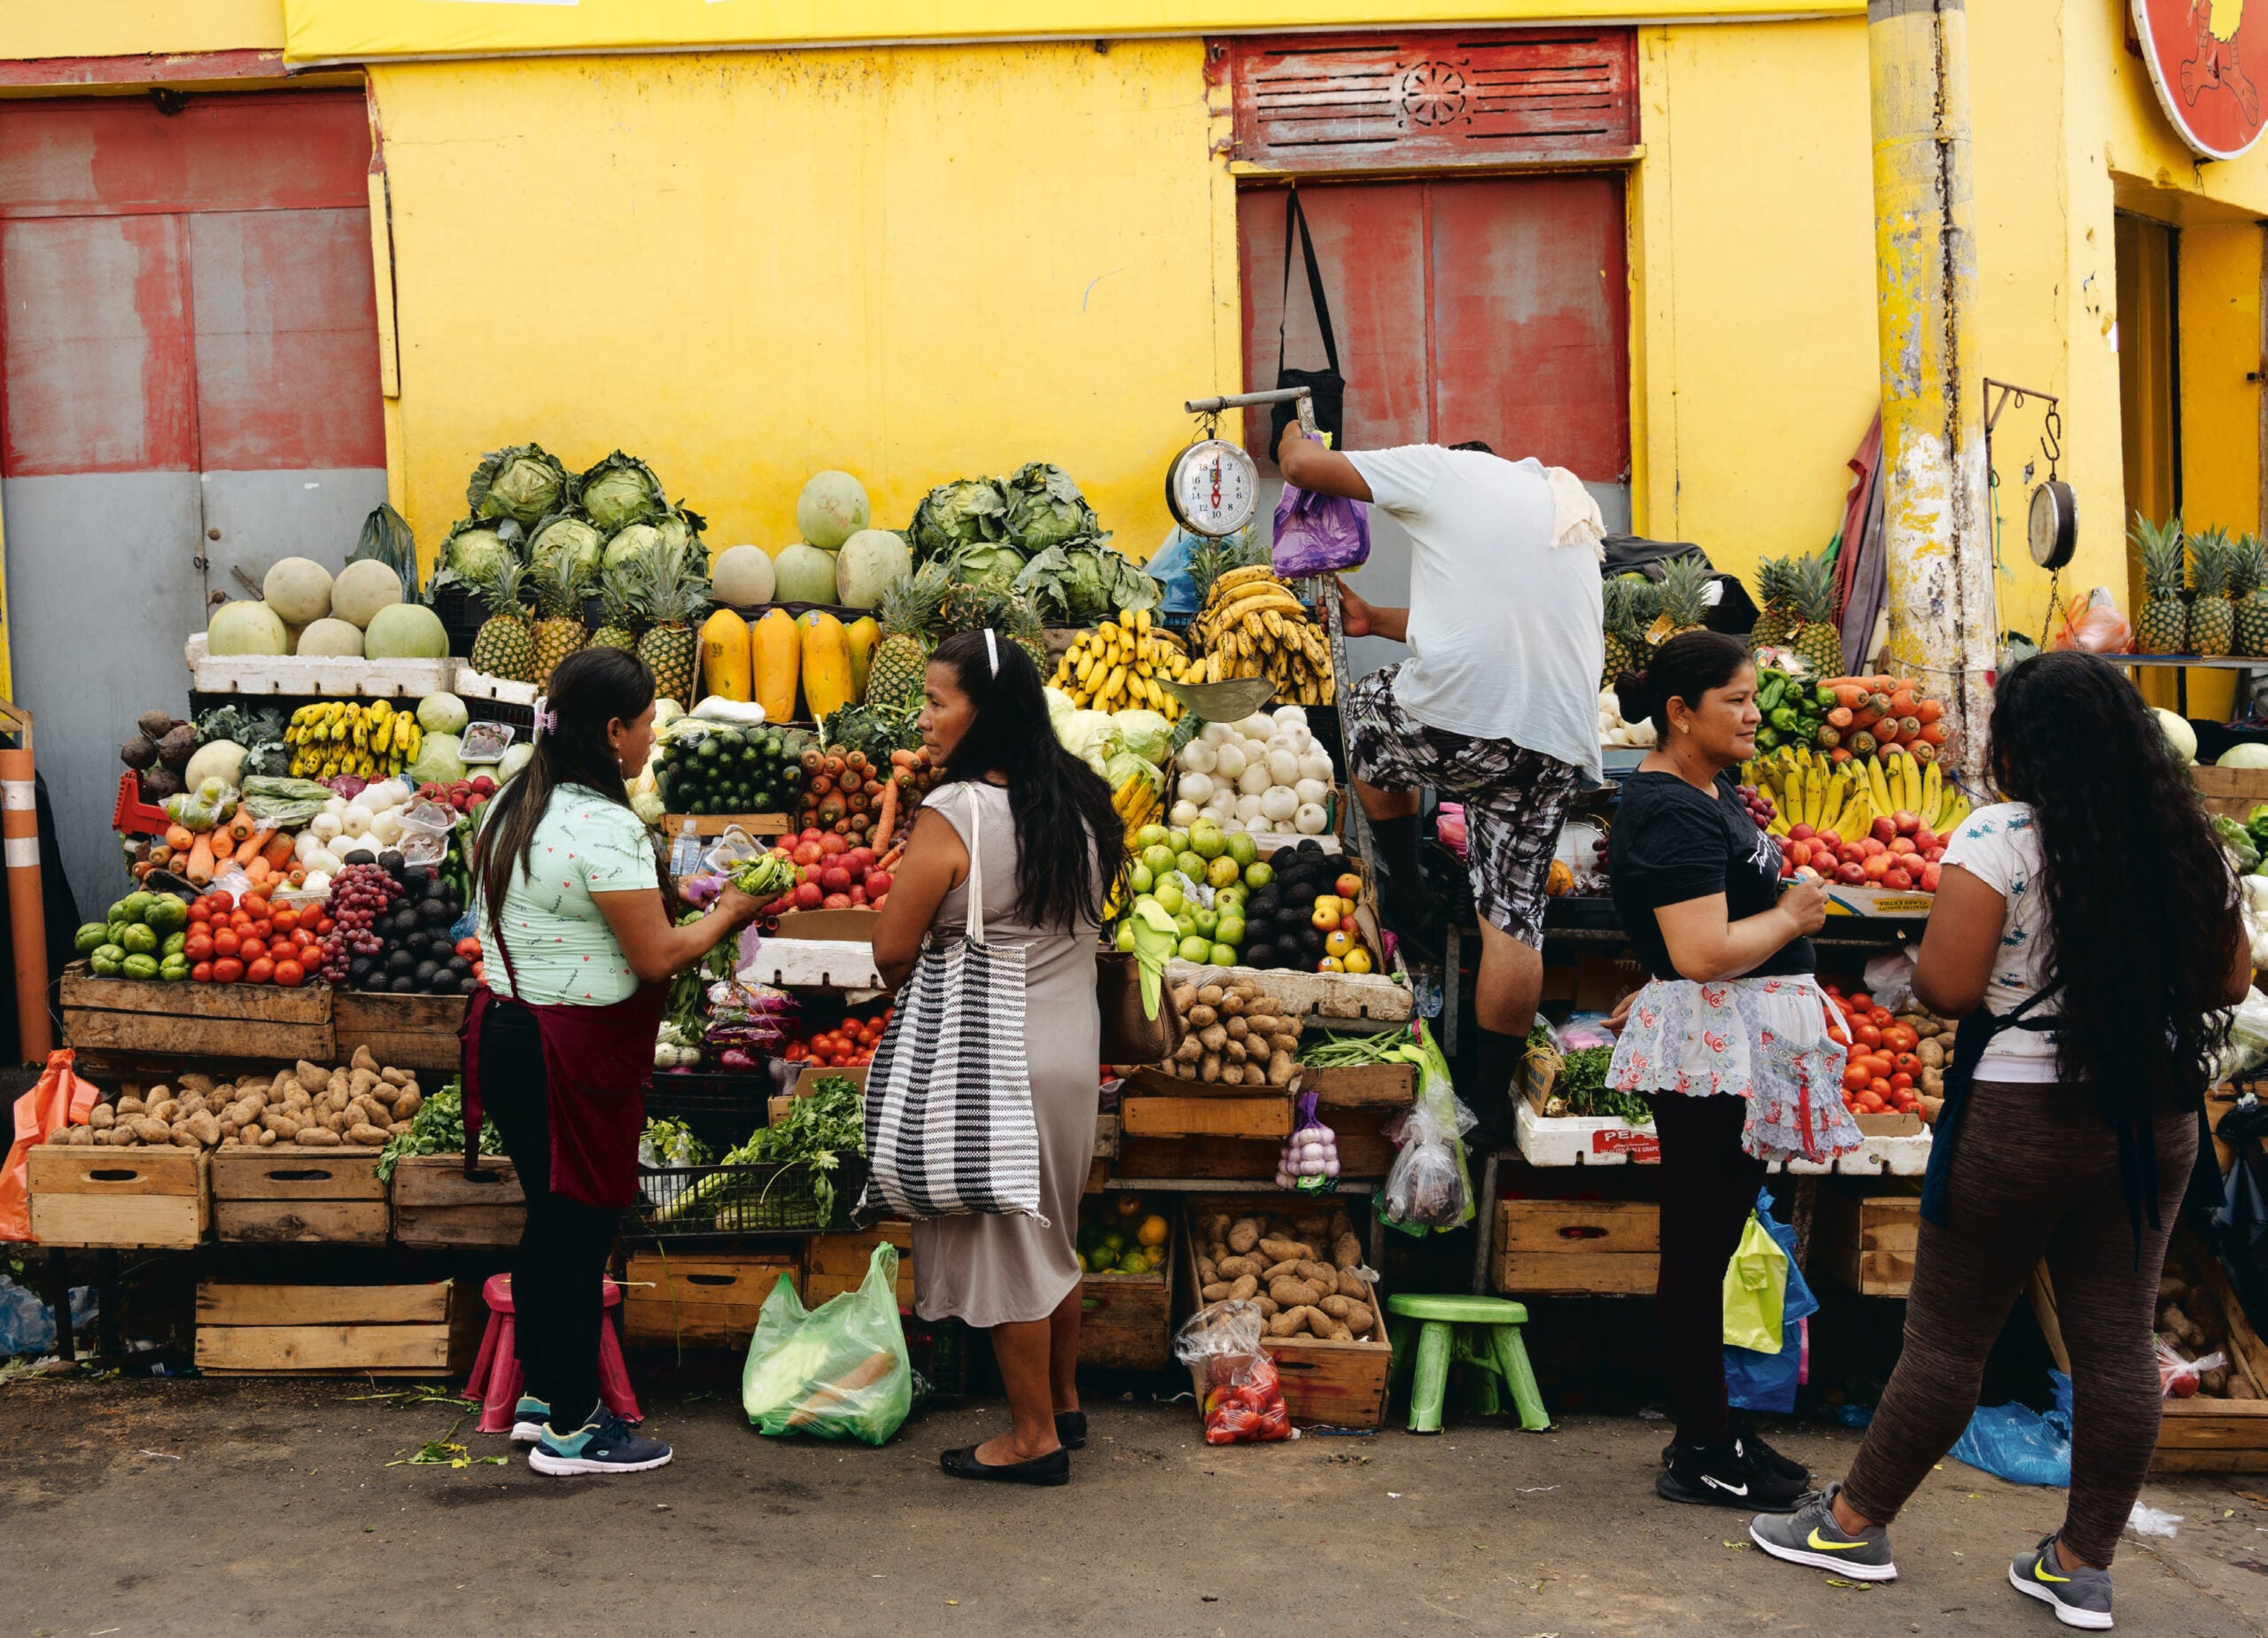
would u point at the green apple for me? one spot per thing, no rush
(1229, 929)
(1190, 866)
(1206, 840)
(1206, 920)
(1185, 923)
(1195, 948)
(1126, 938)
(1221, 956)
(1243, 848)
(1141, 880)
(1169, 896)
(1157, 859)
(1258, 874)
(1150, 836)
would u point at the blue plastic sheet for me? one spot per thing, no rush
(2019, 1444)
(1757, 1381)
(28, 1324)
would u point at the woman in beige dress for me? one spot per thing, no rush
(1051, 849)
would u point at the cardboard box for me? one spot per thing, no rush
(854, 926)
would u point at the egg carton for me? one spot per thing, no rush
(324, 675)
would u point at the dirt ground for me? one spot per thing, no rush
(136, 1508)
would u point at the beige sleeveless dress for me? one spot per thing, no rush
(987, 1269)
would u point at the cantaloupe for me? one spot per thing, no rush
(363, 588)
(777, 655)
(827, 662)
(405, 632)
(831, 508)
(727, 664)
(803, 574)
(297, 588)
(744, 576)
(329, 637)
(249, 628)
(869, 563)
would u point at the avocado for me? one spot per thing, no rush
(404, 985)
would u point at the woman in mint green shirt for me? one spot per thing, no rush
(578, 935)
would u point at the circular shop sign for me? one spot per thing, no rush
(2209, 60)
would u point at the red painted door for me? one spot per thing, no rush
(188, 389)
(1493, 308)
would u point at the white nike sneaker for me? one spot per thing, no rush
(1810, 1536)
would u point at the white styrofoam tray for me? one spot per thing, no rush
(821, 963)
(1604, 1140)
(329, 676)
(473, 685)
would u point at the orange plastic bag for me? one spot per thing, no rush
(62, 1097)
(2093, 623)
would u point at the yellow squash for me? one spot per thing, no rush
(827, 662)
(725, 658)
(776, 653)
(863, 635)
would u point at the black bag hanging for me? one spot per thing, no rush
(1327, 387)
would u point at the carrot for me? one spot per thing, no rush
(258, 873)
(252, 845)
(200, 861)
(179, 839)
(241, 825)
(1848, 695)
(885, 813)
(1839, 717)
(1929, 710)
(279, 850)
(889, 861)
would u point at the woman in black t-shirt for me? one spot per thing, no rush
(1728, 1042)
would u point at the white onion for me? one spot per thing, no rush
(1197, 787)
(1229, 760)
(1283, 766)
(1312, 792)
(1183, 814)
(1259, 725)
(1247, 806)
(1310, 820)
(1290, 714)
(317, 881)
(1217, 734)
(1315, 765)
(1197, 756)
(1255, 779)
(1285, 828)
(1278, 801)
(1302, 740)
(1256, 750)
(386, 826)
(355, 821)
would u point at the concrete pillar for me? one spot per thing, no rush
(1937, 513)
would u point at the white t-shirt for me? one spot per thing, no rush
(1998, 846)
(1505, 640)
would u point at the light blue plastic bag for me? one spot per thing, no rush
(2019, 1444)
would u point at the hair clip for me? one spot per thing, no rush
(993, 650)
(546, 722)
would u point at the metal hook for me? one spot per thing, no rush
(2051, 438)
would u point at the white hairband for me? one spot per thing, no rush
(993, 650)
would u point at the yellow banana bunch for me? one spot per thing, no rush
(1136, 801)
(1117, 665)
(1847, 797)
(1253, 626)
(371, 740)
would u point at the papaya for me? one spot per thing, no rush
(726, 665)
(827, 662)
(862, 635)
(775, 646)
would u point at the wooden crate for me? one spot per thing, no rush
(2217, 1435)
(196, 1021)
(834, 1263)
(284, 1193)
(1364, 1151)
(700, 1301)
(136, 1196)
(402, 1032)
(1254, 1114)
(2234, 792)
(1866, 1241)
(1362, 1086)
(1569, 1247)
(385, 1331)
(1335, 1383)
(436, 1206)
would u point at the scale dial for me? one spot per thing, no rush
(1213, 487)
(2053, 525)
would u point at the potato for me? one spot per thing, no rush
(1279, 1249)
(316, 1137)
(1351, 1284)
(1215, 1291)
(363, 1059)
(2239, 1388)
(131, 1104)
(2178, 1323)
(1931, 1055)
(1339, 1332)
(2216, 1381)
(1321, 1276)
(1210, 995)
(1236, 1267)
(1266, 1304)
(1292, 1294)
(1206, 1273)
(1184, 997)
(312, 1079)
(1247, 988)
(1203, 1017)
(334, 1124)
(394, 1077)
(148, 1129)
(1244, 1287)
(399, 1129)
(1243, 1234)
(184, 1138)
(1284, 1323)
(1347, 1251)
(282, 1124)
(408, 1104)
(1356, 1314)
(1286, 1269)
(1280, 1068)
(267, 1135)
(195, 1081)
(206, 1126)
(101, 1116)
(168, 1110)
(1209, 1068)
(2171, 1288)
(367, 1135)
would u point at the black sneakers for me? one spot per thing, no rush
(1723, 1476)
(1752, 1446)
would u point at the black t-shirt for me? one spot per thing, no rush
(1672, 842)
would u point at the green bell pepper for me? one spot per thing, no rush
(1785, 720)
(91, 936)
(1825, 698)
(140, 940)
(139, 966)
(1767, 740)
(1770, 692)
(105, 961)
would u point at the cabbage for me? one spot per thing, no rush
(1057, 703)
(563, 531)
(1124, 764)
(1084, 581)
(1090, 736)
(1044, 506)
(477, 546)
(988, 568)
(968, 512)
(683, 527)
(440, 761)
(1145, 733)
(523, 483)
(620, 490)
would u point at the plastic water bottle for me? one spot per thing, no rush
(1425, 993)
(684, 853)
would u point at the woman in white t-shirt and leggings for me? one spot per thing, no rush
(2086, 934)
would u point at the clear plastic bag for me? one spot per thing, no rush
(2179, 1377)
(836, 1371)
(203, 808)
(1243, 1399)
(1428, 1188)
(2093, 624)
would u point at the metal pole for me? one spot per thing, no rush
(1937, 513)
(27, 908)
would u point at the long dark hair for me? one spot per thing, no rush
(1055, 797)
(1684, 668)
(592, 688)
(2141, 899)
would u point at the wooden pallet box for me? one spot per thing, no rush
(140, 1196)
(285, 1195)
(386, 1331)
(402, 1032)
(1572, 1247)
(1126, 1321)
(436, 1206)
(130, 1015)
(1361, 1086)
(1866, 1241)
(1364, 1151)
(2203, 1435)
(1237, 1115)
(834, 1263)
(702, 1300)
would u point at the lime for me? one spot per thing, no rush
(1195, 948)
(1114, 1242)
(1243, 848)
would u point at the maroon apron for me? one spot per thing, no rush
(597, 1063)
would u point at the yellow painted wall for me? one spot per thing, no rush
(33, 29)
(914, 263)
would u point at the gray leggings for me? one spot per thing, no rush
(2036, 1174)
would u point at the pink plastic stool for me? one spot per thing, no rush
(495, 1378)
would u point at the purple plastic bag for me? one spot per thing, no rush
(1319, 534)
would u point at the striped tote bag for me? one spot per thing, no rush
(949, 1119)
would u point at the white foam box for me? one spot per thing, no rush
(331, 676)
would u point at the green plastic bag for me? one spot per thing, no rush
(838, 1370)
(1756, 1291)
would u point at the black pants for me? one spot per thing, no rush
(1709, 1187)
(558, 1301)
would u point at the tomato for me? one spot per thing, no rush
(1855, 1078)
(323, 927)
(1837, 1036)
(1905, 1063)
(285, 921)
(1879, 1088)
(796, 1052)
(1870, 1103)
(1861, 1001)
(226, 941)
(240, 921)
(259, 972)
(198, 947)
(201, 973)
(290, 974)
(1881, 1018)
(256, 905)
(227, 970)
(1902, 1038)
(252, 949)
(200, 912)
(1902, 1082)
(1869, 1037)
(469, 948)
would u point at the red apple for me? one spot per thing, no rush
(1907, 823)
(812, 872)
(1897, 879)
(1794, 854)
(806, 853)
(1851, 876)
(1903, 845)
(858, 858)
(1930, 878)
(834, 878)
(1884, 827)
(1801, 832)
(1348, 886)
(1925, 839)
(836, 901)
(1830, 838)
(858, 896)
(831, 845)
(808, 895)
(877, 886)
(1877, 866)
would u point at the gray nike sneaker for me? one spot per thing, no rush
(1810, 1536)
(2080, 1596)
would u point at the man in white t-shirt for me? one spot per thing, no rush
(1497, 704)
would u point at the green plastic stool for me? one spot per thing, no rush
(1481, 1332)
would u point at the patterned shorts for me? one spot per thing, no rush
(1514, 799)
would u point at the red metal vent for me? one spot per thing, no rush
(1383, 102)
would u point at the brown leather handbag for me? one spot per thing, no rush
(1128, 1036)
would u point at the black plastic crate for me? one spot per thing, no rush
(462, 613)
(725, 1202)
(721, 1107)
(939, 1351)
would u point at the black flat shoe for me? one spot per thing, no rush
(1054, 1468)
(1071, 1429)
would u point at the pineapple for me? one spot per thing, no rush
(618, 608)
(1629, 605)
(1774, 577)
(1815, 635)
(561, 581)
(2212, 619)
(2163, 626)
(1681, 595)
(2252, 606)
(503, 647)
(675, 596)
(894, 678)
